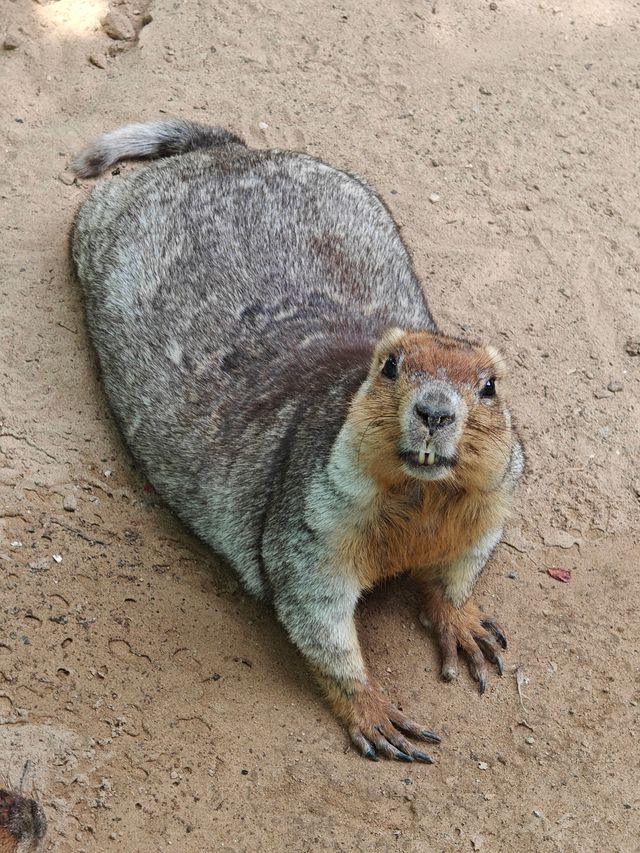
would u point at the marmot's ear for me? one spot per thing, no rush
(498, 362)
(385, 348)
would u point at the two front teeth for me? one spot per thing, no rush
(427, 454)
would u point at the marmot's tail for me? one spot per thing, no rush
(147, 141)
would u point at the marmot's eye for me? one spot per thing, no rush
(489, 388)
(390, 367)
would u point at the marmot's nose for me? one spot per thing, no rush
(435, 416)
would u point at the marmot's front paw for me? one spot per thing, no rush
(376, 727)
(465, 628)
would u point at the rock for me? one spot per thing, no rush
(513, 576)
(118, 27)
(40, 565)
(493, 7)
(11, 40)
(434, 198)
(482, 765)
(97, 60)
(484, 91)
(66, 178)
(602, 394)
(632, 346)
(263, 125)
(553, 538)
(614, 386)
(530, 740)
(70, 504)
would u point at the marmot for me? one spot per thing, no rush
(270, 358)
(22, 823)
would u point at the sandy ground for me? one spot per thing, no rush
(159, 706)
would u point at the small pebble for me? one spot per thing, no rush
(493, 7)
(70, 504)
(602, 394)
(11, 41)
(483, 765)
(57, 557)
(66, 178)
(484, 91)
(40, 565)
(632, 347)
(263, 125)
(434, 198)
(118, 27)
(513, 576)
(538, 813)
(530, 740)
(97, 60)
(614, 386)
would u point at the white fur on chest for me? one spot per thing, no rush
(340, 488)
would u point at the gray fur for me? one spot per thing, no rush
(152, 139)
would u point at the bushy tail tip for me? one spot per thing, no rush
(147, 141)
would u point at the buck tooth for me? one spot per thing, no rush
(421, 455)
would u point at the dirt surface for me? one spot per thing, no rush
(159, 706)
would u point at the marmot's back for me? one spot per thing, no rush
(210, 263)
(227, 230)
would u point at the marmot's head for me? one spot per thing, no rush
(433, 408)
(22, 823)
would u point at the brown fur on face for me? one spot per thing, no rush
(485, 439)
(414, 523)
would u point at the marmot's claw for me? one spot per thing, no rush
(385, 738)
(425, 734)
(492, 626)
(449, 672)
(422, 756)
(481, 640)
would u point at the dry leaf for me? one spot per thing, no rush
(559, 574)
